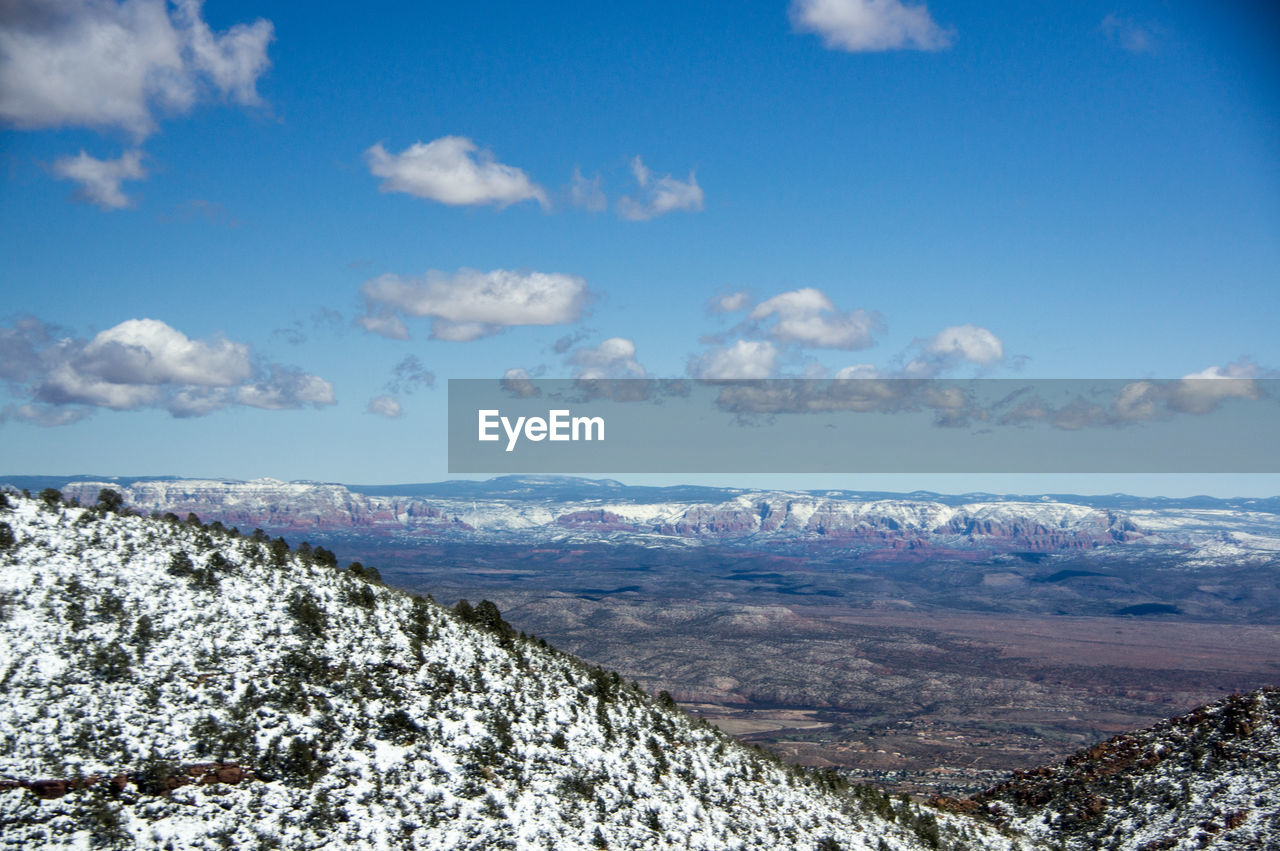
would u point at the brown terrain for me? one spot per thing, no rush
(902, 683)
(919, 701)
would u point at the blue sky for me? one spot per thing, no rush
(246, 239)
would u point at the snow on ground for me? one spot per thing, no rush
(155, 652)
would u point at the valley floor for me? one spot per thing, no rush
(921, 700)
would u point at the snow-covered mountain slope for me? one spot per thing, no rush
(1207, 779)
(170, 685)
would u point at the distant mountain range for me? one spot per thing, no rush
(545, 509)
(572, 488)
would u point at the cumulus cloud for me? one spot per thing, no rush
(45, 415)
(614, 358)
(587, 194)
(1238, 369)
(451, 171)
(729, 302)
(743, 359)
(384, 406)
(71, 381)
(145, 363)
(968, 343)
(859, 371)
(384, 325)
(100, 179)
(470, 304)
(22, 346)
(518, 382)
(462, 332)
(859, 26)
(103, 64)
(233, 60)
(952, 347)
(147, 351)
(659, 196)
(285, 387)
(807, 317)
(1203, 391)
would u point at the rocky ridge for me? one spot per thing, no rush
(1207, 779)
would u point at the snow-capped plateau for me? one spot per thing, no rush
(541, 511)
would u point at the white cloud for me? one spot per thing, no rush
(951, 347)
(45, 415)
(808, 317)
(147, 351)
(285, 387)
(968, 343)
(199, 401)
(614, 358)
(659, 196)
(587, 194)
(862, 371)
(924, 367)
(234, 60)
(102, 64)
(860, 26)
(67, 383)
(518, 382)
(448, 170)
(22, 347)
(1242, 368)
(100, 179)
(385, 406)
(1201, 392)
(730, 302)
(471, 304)
(641, 171)
(384, 325)
(145, 363)
(462, 332)
(743, 359)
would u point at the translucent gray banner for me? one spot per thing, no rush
(864, 426)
